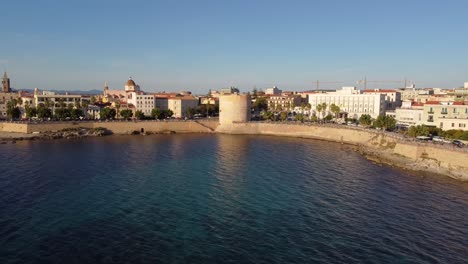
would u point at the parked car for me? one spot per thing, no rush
(458, 143)
(440, 140)
(423, 138)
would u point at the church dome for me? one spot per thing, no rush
(130, 82)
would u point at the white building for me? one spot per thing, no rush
(273, 91)
(180, 104)
(392, 97)
(410, 114)
(446, 115)
(142, 102)
(350, 101)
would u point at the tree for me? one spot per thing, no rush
(260, 104)
(267, 115)
(190, 112)
(169, 113)
(324, 108)
(299, 117)
(117, 106)
(365, 120)
(335, 110)
(92, 100)
(47, 103)
(13, 111)
(76, 113)
(77, 103)
(319, 108)
(61, 103)
(254, 92)
(283, 116)
(126, 114)
(107, 113)
(314, 118)
(329, 117)
(30, 111)
(416, 131)
(385, 122)
(62, 113)
(43, 112)
(139, 115)
(303, 106)
(156, 113)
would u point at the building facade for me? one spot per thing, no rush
(350, 102)
(142, 102)
(447, 116)
(283, 102)
(410, 114)
(180, 104)
(392, 97)
(273, 91)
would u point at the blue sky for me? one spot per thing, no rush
(200, 45)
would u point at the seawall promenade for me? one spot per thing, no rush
(117, 127)
(389, 148)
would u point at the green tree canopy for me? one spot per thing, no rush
(43, 112)
(76, 113)
(365, 120)
(385, 122)
(335, 109)
(107, 113)
(139, 115)
(126, 113)
(190, 112)
(260, 104)
(416, 131)
(283, 116)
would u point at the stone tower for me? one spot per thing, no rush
(234, 108)
(106, 89)
(6, 84)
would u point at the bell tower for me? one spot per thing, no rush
(6, 84)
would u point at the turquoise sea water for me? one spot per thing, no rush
(221, 199)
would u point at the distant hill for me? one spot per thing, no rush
(91, 92)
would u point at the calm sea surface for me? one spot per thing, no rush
(221, 199)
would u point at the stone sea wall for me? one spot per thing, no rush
(202, 126)
(377, 146)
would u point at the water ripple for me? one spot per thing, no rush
(221, 199)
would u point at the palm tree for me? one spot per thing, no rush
(117, 106)
(61, 103)
(335, 110)
(324, 108)
(77, 104)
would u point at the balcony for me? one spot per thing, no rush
(443, 112)
(430, 112)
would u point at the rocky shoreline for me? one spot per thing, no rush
(430, 166)
(69, 133)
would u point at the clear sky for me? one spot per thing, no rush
(198, 45)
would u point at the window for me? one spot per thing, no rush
(453, 124)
